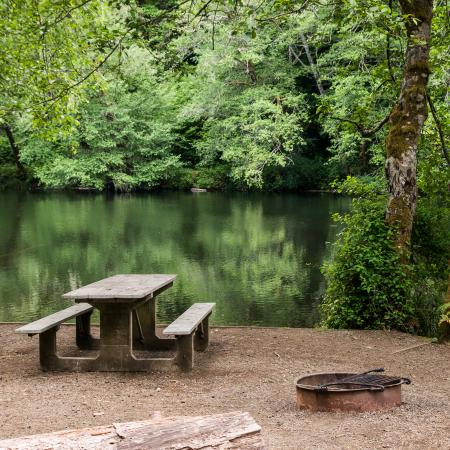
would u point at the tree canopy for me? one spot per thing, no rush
(272, 94)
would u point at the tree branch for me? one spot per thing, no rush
(356, 124)
(313, 65)
(64, 91)
(214, 28)
(161, 16)
(203, 8)
(378, 127)
(14, 149)
(439, 128)
(65, 14)
(388, 49)
(294, 11)
(364, 132)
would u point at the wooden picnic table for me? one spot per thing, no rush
(127, 306)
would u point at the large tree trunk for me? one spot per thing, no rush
(406, 121)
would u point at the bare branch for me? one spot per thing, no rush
(66, 14)
(67, 89)
(364, 132)
(203, 8)
(313, 65)
(439, 128)
(294, 11)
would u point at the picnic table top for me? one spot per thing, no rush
(132, 287)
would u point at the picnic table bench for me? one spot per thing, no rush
(192, 332)
(48, 325)
(127, 305)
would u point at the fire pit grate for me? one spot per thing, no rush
(367, 391)
(366, 379)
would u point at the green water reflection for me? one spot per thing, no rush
(257, 256)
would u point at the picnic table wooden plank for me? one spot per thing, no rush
(189, 320)
(44, 324)
(134, 286)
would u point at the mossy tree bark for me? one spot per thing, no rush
(406, 121)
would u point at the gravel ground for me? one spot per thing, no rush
(248, 369)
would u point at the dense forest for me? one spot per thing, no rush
(249, 95)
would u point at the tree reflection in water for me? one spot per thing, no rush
(258, 256)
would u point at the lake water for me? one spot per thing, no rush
(258, 256)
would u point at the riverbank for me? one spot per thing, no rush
(249, 369)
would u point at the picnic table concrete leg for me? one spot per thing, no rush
(116, 342)
(50, 360)
(185, 353)
(47, 349)
(144, 322)
(201, 337)
(84, 338)
(115, 336)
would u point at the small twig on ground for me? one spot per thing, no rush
(410, 348)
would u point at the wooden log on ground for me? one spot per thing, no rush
(236, 430)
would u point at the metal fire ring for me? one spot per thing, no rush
(343, 391)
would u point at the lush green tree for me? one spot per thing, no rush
(243, 91)
(124, 135)
(50, 52)
(238, 95)
(354, 105)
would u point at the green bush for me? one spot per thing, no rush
(180, 178)
(210, 177)
(302, 173)
(369, 288)
(215, 178)
(9, 177)
(430, 256)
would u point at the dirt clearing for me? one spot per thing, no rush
(248, 369)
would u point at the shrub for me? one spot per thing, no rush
(302, 173)
(211, 177)
(215, 178)
(368, 287)
(9, 177)
(430, 256)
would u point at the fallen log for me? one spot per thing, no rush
(236, 430)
